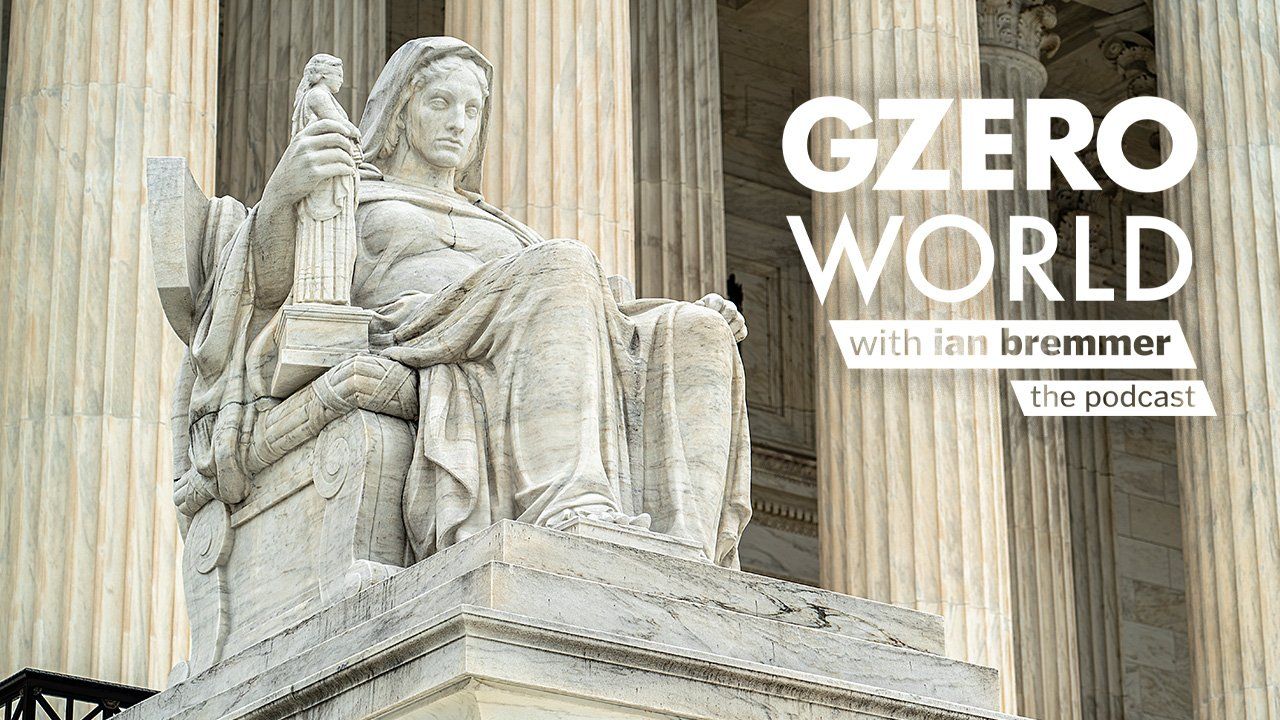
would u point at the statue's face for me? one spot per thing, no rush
(444, 116)
(332, 78)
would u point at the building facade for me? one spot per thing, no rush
(1108, 567)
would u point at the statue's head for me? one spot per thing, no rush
(431, 100)
(323, 70)
(442, 107)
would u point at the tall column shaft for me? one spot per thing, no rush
(1093, 536)
(265, 46)
(1012, 33)
(679, 169)
(1097, 597)
(1220, 61)
(4, 63)
(910, 463)
(559, 156)
(90, 534)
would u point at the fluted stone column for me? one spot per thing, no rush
(1013, 34)
(679, 170)
(4, 64)
(264, 47)
(559, 156)
(1093, 537)
(910, 464)
(1218, 60)
(1097, 598)
(90, 541)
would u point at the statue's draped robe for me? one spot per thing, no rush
(538, 392)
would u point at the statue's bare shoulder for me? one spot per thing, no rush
(396, 222)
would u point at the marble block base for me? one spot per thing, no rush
(313, 338)
(634, 538)
(526, 622)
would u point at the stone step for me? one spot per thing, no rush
(700, 583)
(709, 629)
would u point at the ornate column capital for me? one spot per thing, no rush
(1022, 25)
(1134, 57)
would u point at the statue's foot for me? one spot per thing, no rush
(600, 513)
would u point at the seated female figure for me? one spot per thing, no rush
(541, 398)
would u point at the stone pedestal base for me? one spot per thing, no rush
(525, 622)
(315, 337)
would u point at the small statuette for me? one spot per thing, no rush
(319, 328)
(326, 246)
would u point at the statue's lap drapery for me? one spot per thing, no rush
(540, 395)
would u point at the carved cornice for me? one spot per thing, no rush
(788, 465)
(1022, 25)
(786, 502)
(1134, 57)
(785, 512)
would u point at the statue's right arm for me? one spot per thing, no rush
(321, 152)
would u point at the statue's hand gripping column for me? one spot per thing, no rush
(319, 327)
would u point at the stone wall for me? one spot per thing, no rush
(1153, 612)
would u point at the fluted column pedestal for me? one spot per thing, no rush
(559, 156)
(90, 540)
(264, 47)
(910, 465)
(679, 169)
(1217, 60)
(1012, 34)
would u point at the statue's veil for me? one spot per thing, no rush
(387, 100)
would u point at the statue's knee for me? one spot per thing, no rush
(565, 263)
(565, 253)
(705, 328)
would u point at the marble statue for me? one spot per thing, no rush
(318, 326)
(483, 373)
(326, 239)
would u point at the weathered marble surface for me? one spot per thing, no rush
(323, 522)
(538, 620)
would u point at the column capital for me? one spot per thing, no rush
(1022, 25)
(1134, 57)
